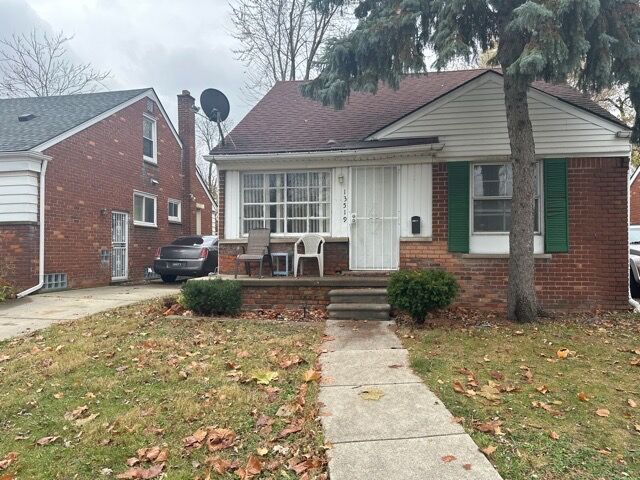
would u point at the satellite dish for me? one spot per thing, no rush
(215, 105)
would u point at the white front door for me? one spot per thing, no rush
(119, 246)
(375, 241)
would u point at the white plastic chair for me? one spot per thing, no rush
(313, 248)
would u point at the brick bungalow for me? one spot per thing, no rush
(420, 178)
(103, 179)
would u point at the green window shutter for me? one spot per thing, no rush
(556, 206)
(458, 206)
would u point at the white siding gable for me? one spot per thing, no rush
(472, 123)
(19, 191)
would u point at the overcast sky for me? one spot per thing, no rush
(166, 44)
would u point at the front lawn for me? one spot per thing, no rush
(557, 400)
(134, 394)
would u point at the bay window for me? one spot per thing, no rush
(286, 203)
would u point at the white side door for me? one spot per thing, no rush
(119, 246)
(375, 235)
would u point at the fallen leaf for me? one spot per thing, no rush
(220, 438)
(527, 373)
(602, 412)
(632, 403)
(496, 375)
(467, 466)
(58, 395)
(489, 392)
(293, 427)
(251, 469)
(220, 465)
(141, 473)
(490, 427)
(637, 427)
(458, 387)
(311, 375)
(46, 440)
(489, 450)
(75, 414)
(583, 397)
(196, 439)
(372, 394)
(396, 365)
(448, 458)
(543, 389)
(458, 420)
(8, 459)
(553, 435)
(82, 421)
(262, 451)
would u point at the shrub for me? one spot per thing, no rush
(6, 291)
(419, 292)
(218, 297)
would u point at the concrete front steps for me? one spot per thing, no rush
(359, 304)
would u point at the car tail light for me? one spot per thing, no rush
(158, 251)
(204, 253)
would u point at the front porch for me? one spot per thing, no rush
(290, 293)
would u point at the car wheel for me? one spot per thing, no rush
(633, 286)
(168, 278)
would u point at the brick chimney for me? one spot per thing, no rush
(187, 132)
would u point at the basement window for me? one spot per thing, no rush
(55, 281)
(149, 144)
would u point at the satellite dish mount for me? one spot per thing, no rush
(215, 106)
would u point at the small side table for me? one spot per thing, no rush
(275, 257)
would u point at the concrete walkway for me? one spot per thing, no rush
(403, 435)
(38, 311)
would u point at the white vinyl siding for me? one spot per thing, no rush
(231, 204)
(472, 123)
(415, 198)
(19, 190)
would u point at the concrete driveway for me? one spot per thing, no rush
(41, 310)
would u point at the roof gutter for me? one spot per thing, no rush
(222, 160)
(24, 293)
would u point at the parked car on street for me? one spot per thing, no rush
(634, 260)
(193, 256)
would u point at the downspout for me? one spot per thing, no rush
(632, 302)
(37, 287)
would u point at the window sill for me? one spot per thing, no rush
(150, 161)
(175, 221)
(146, 225)
(536, 256)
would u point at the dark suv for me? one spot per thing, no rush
(194, 256)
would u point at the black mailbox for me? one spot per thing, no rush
(415, 225)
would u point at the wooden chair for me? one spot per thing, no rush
(258, 247)
(313, 248)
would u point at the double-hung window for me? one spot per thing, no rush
(175, 210)
(149, 147)
(492, 186)
(286, 203)
(145, 209)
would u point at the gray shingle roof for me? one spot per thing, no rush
(53, 116)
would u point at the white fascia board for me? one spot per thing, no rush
(26, 161)
(151, 94)
(321, 158)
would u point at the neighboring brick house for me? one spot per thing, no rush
(634, 198)
(117, 180)
(420, 177)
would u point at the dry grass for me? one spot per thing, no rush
(588, 446)
(154, 380)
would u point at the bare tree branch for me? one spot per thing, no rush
(38, 65)
(280, 39)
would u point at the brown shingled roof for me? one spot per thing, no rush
(285, 121)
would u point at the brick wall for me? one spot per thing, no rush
(288, 297)
(336, 258)
(593, 274)
(19, 255)
(634, 201)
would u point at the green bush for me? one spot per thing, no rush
(217, 297)
(6, 291)
(419, 292)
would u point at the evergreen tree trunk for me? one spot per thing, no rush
(521, 296)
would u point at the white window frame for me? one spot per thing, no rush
(176, 219)
(498, 242)
(329, 188)
(154, 134)
(142, 223)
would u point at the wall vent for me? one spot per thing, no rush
(55, 281)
